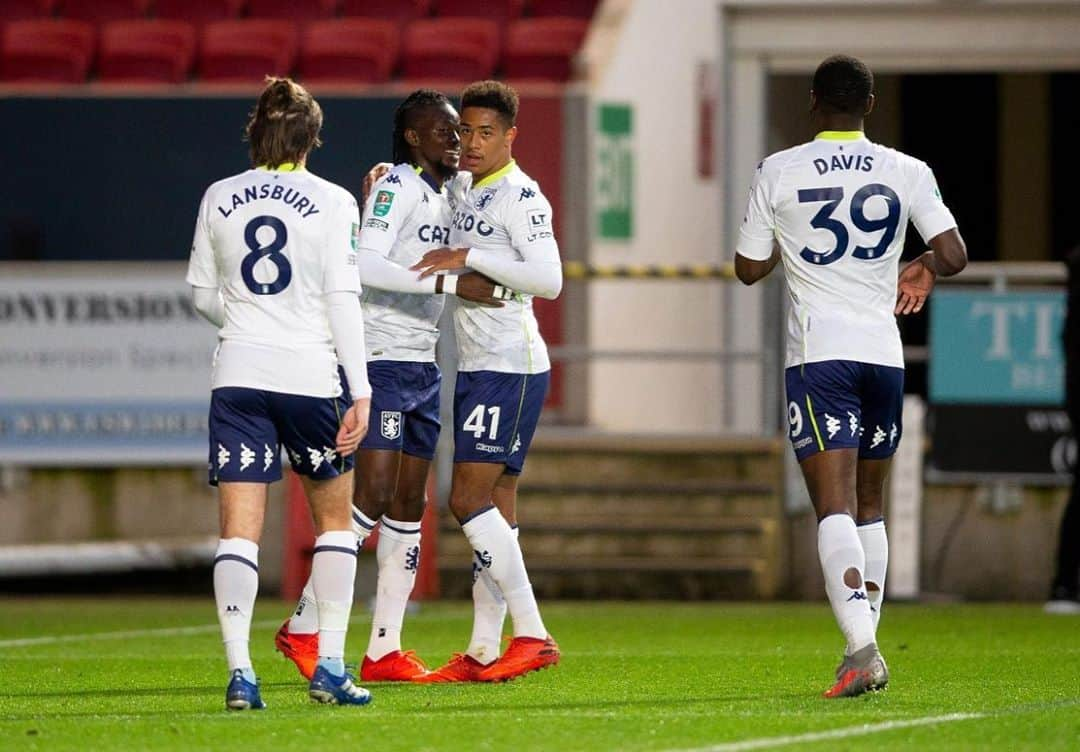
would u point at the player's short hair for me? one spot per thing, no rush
(405, 117)
(492, 95)
(285, 124)
(843, 84)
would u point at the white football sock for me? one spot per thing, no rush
(333, 569)
(236, 582)
(839, 550)
(497, 550)
(875, 545)
(305, 619)
(489, 613)
(398, 554)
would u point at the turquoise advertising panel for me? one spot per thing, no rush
(996, 348)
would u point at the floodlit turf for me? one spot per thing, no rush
(652, 676)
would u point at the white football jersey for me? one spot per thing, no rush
(838, 207)
(505, 213)
(405, 217)
(274, 243)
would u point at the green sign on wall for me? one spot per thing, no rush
(614, 193)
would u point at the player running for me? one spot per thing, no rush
(835, 211)
(273, 265)
(407, 214)
(502, 226)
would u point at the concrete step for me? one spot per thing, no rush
(611, 538)
(620, 500)
(556, 457)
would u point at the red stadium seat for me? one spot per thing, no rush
(501, 11)
(356, 50)
(401, 11)
(247, 50)
(543, 48)
(198, 12)
(146, 50)
(300, 11)
(100, 11)
(563, 8)
(20, 10)
(46, 50)
(455, 49)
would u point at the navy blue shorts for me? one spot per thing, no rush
(844, 404)
(495, 416)
(248, 427)
(404, 407)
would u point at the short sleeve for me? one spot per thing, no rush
(928, 211)
(386, 210)
(530, 224)
(340, 270)
(202, 268)
(757, 234)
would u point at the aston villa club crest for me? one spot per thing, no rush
(485, 198)
(390, 424)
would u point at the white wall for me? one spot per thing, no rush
(653, 64)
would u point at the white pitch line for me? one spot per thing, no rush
(122, 635)
(843, 733)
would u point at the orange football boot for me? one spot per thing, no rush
(525, 654)
(460, 668)
(301, 649)
(394, 666)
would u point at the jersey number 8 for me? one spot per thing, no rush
(823, 220)
(272, 252)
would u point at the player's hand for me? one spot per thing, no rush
(476, 288)
(373, 176)
(441, 260)
(354, 426)
(913, 287)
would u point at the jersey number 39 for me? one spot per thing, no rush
(824, 220)
(271, 252)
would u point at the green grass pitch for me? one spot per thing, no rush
(648, 676)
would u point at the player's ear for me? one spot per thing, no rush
(511, 134)
(412, 138)
(869, 105)
(813, 100)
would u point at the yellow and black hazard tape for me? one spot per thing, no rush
(578, 270)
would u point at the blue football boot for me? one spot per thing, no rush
(242, 694)
(336, 690)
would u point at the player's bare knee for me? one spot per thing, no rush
(408, 509)
(872, 587)
(853, 578)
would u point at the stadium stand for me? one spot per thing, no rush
(101, 11)
(401, 11)
(146, 50)
(563, 8)
(198, 12)
(46, 51)
(352, 50)
(246, 50)
(20, 10)
(542, 48)
(456, 49)
(501, 11)
(299, 11)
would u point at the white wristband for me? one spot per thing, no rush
(449, 283)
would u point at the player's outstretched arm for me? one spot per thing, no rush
(749, 270)
(209, 303)
(916, 280)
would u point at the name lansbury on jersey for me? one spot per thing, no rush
(289, 196)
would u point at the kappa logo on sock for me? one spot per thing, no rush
(475, 572)
(856, 595)
(412, 559)
(484, 559)
(382, 631)
(299, 608)
(232, 610)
